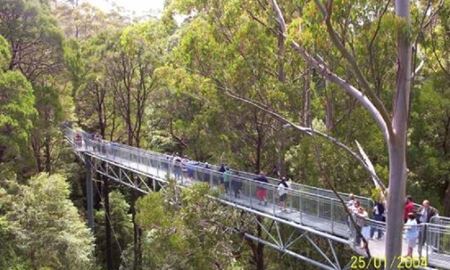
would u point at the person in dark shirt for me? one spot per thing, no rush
(261, 191)
(236, 184)
(424, 215)
(378, 215)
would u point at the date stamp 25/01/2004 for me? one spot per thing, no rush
(360, 262)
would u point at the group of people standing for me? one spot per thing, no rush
(230, 180)
(412, 217)
(282, 191)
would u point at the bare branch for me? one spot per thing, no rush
(419, 67)
(306, 130)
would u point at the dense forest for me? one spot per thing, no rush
(218, 81)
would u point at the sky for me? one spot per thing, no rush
(139, 7)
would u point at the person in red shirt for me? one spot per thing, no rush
(409, 207)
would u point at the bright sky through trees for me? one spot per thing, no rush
(139, 7)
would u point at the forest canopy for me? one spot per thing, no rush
(220, 81)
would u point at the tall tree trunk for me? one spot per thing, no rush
(305, 117)
(109, 261)
(48, 158)
(281, 169)
(329, 109)
(281, 50)
(258, 150)
(136, 234)
(281, 79)
(447, 200)
(35, 144)
(259, 254)
(397, 140)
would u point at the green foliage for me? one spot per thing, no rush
(183, 229)
(47, 230)
(5, 53)
(165, 86)
(16, 115)
(121, 227)
(34, 32)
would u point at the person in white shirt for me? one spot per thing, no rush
(282, 193)
(360, 215)
(351, 202)
(412, 233)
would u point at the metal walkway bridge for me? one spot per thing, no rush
(311, 210)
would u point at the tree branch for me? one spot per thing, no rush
(323, 69)
(355, 70)
(347, 211)
(306, 130)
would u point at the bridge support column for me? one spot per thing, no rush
(89, 193)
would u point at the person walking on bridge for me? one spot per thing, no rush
(236, 184)
(261, 191)
(409, 207)
(351, 209)
(378, 215)
(351, 202)
(97, 141)
(177, 168)
(424, 215)
(360, 219)
(282, 193)
(411, 233)
(227, 180)
(78, 141)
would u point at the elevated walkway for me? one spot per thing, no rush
(309, 208)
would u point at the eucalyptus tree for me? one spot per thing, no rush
(48, 231)
(36, 46)
(16, 113)
(340, 59)
(184, 229)
(394, 127)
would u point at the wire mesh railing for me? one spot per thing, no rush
(438, 236)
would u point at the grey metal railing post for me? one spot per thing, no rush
(250, 192)
(210, 178)
(300, 205)
(195, 168)
(317, 206)
(158, 166)
(438, 240)
(230, 180)
(332, 216)
(89, 193)
(428, 237)
(273, 199)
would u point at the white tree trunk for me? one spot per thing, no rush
(397, 141)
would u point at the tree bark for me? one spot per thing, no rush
(447, 200)
(35, 144)
(109, 261)
(259, 254)
(329, 109)
(397, 141)
(48, 158)
(396, 202)
(305, 118)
